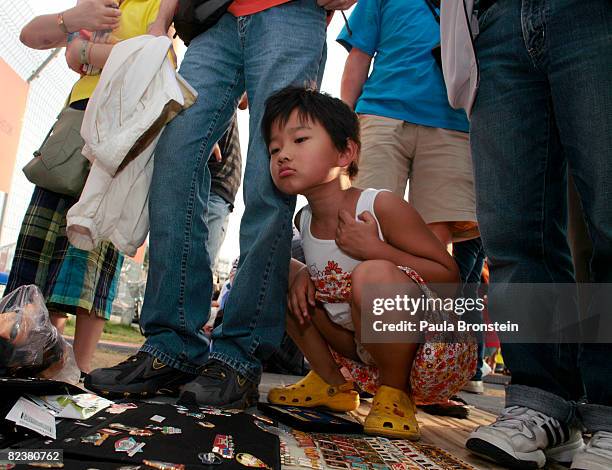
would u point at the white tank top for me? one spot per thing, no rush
(330, 268)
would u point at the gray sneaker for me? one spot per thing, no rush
(221, 386)
(522, 438)
(597, 455)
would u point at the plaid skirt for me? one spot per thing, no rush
(68, 277)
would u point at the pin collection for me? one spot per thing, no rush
(347, 452)
(223, 448)
(316, 451)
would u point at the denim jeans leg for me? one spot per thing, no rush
(520, 176)
(218, 217)
(581, 90)
(469, 256)
(282, 46)
(179, 286)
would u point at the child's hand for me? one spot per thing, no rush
(355, 238)
(301, 294)
(73, 55)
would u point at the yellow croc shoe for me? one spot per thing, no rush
(312, 391)
(392, 415)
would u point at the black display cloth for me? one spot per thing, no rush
(180, 448)
(310, 420)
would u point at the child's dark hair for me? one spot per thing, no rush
(334, 115)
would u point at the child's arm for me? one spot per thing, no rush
(95, 54)
(160, 26)
(301, 291)
(354, 76)
(408, 241)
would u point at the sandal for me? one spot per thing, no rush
(392, 415)
(312, 391)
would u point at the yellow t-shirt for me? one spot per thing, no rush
(136, 16)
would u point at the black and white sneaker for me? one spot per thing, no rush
(597, 455)
(522, 438)
(221, 386)
(140, 375)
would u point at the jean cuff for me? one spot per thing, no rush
(171, 361)
(242, 367)
(596, 417)
(540, 400)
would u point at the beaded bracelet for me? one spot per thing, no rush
(83, 52)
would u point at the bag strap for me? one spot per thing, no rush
(433, 5)
(37, 153)
(66, 104)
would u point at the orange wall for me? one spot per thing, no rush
(12, 108)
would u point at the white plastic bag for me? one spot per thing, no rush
(30, 346)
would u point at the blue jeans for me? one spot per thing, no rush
(543, 108)
(218, 217)
(469, 256)
(261, 54)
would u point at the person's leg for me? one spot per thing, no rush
(521, 194)
(469, 256)
(86, 336)
(42, 241)
(253, 316)
(443, 232)
(394, 360)
(442, 183)
(324, 385)
(386, 148)
(253, 323)
(58, 320)
(218, 217)
(393, 411)
(179, 284)
(581, 90)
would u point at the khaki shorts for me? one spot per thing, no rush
(437, 162)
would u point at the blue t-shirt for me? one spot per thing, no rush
(405, 83)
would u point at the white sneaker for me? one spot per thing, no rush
(486, 369)
(523, 438)
(597, 455)
(473, 386)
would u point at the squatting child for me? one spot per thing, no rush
(351, 238)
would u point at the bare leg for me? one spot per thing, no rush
(58, 320)
(86, 336)
(442, 231)
(394, 361)
(315, 349)
(315, 337)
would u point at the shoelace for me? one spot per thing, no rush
(215, 370)
(602, 440)
(515, 417)
(132, 358)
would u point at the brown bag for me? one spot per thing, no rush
(59, 165)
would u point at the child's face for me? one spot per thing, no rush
(302, 156)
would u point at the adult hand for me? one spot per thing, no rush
(93, 15)
(301, 294)
(336, 4)
(356, 238)
(73, 55)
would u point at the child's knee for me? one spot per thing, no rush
(373, 271)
